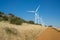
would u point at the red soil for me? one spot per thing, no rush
(49, 34)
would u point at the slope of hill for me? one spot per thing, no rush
(15, 28)
(11, 18)
(50, 34)
(19, 32)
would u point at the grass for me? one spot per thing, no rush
(11, 31)
(19, 32)
(56, 29)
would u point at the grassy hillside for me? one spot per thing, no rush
(16, 28)
(19, 32)
(13, 19)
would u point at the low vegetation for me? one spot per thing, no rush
(56, 29)
(13, 19)
(11, 31)
(31, 22)
(16, 21)
(16, 32)
(50, 26)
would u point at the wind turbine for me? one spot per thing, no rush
(35, 13)
(37, 18)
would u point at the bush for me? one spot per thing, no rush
(11, 31)
(1, 19)
(5, 18)
(16, 21)
(40, 24)
(31, 22)
(1, 12)
(56, 29)
(10, 14)
(50, 26)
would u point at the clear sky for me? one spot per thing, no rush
(49, 9)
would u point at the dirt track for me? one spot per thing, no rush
(49, 34)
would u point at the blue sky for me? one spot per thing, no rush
(49, 9)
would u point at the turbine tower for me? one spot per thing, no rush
(35, 13)
(37, 18)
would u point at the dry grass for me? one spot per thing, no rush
(23, 32)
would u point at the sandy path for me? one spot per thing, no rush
(49, 34)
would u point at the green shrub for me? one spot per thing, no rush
(5, 18)
(31, 22)
(40, 24)
(1, 12)
(50, 26)
(11, 31)
(56, 29)
(10, 14)
(16, 21)
(1, 19)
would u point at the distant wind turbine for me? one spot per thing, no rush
(37, 18)
(35, 12)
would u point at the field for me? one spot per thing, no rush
(19, 32)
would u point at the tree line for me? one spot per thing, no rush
(13, 19)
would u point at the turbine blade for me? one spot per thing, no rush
(37, 8)
(30, 11)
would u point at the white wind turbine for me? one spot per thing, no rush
(35, 13)
(37, 18)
